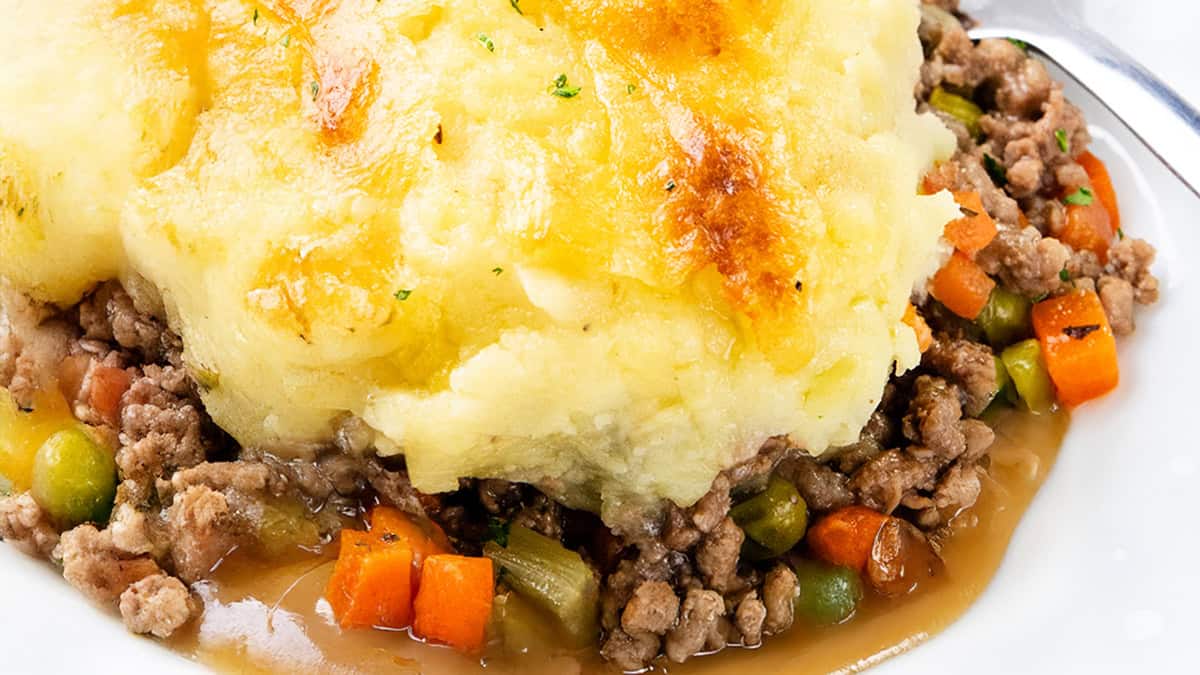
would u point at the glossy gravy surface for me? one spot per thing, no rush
(270, 618)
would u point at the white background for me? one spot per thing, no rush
(1101, 578)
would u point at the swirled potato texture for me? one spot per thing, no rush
(604, 246)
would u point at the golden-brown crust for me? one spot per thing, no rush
(719, 212)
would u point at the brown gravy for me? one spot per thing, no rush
(270, 619)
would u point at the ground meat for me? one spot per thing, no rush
(156, 605)
(970, 365)
(779, 595)
(822, 488)
(202, 531)
(717, 555)
(26, 526)
(1116, 295)
(248, 477)
(162, 425)
(630, 652)
(979, 437)
(678, 532)
(652, 609)
(708, 513)
(1025, 261)
(957, 489)
(698, 619)
(883, 482)
(110, 315)
(97, 568)
(933, 418)
(499, 496)
(1130, 259)
(748, 619)
(129, 531)
(543, 516)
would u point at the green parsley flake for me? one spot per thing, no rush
(561, 89)
(1081, 197)
(1120, 233)
(670, 185)
(1064, 275)
(255, 20)
(516, 4)
(20, 211)
(287, 40)
(486, 41)
(316, 89)
(497, 271)
(402, 294)
(1021, 44)
(1064, 141)
(1041, 297)
(996, 170)
(630, 88)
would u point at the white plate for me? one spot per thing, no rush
(1101, 576)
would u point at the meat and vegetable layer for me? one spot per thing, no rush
(117, 471)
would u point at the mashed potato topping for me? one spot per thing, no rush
(608, 247)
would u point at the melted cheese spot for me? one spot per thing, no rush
(322, 191)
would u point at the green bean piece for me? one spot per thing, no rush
(523, 627)
(827, 594)
(74, 479)
(959, 108)
(774, 520)
(1005, 318)
(551, 577)
(284, 526)
(1025, 366)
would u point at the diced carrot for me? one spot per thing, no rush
(917, 323)
(371, 584)
(1078, 346)
(971, 233)
(455, 601)
(108, 385)
(1088, 228)
(1102, 186)
(845, 537)
(962, 286)
(423, 537)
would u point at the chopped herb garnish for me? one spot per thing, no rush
(1041, 297)
(970, 213)
(255, 20)
(1064, 275)
(1081, 197)
(561, 89)
(287, 40)
(1080, 332)
(630, 88)
(316, 89)
(1064, 141)
(1021, 44)
(402, 294)
(497, 531)
(20, 211)
(497, 271)
(1120, 233)
(516, 4)
(486, 41)
(996, 170)
(799, 285)
(670, 185)
(389, 537)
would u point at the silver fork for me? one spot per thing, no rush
(1167, 125)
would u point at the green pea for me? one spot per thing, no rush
(774, 520)
(1025, 366)
(74, 479)
(827, 594)
(1005, 318)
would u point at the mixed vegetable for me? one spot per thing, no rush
(1051, 349)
